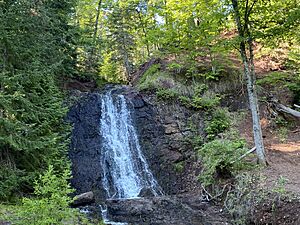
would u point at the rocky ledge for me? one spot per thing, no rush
(165, 210)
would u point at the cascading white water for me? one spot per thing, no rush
(125, 170)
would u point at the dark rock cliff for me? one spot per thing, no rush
(86, 143)
(163, 133)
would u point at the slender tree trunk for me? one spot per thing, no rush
(253, 102)
(97, 21)
(91, 58)
(145, 33)
(249, 73)
(166, 14)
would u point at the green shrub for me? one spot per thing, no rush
(175, 67)
(219, 122)
(50, 204)
(207, 101)
(194, 141)
(284, 79)
(154, 79)
(274, 78)
(10, 180)
(242, 200)
(201, 99)
(166, 94)
(221, 157)
(185, 101)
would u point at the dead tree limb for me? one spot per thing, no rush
(247, 153)
(287, 110)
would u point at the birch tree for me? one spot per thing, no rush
(246, 52)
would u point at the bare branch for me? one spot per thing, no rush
(297, 106)
(247, 153)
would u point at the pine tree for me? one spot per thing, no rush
(34, 52)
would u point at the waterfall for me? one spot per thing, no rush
(124, 167)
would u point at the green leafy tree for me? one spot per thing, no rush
(260, 20)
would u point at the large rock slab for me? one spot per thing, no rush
(165, 210)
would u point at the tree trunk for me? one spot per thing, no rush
(145, 33)
(253, 103)
(249, 73)
(97, 21)
(91, 59)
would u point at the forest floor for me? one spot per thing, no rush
(282, 141)
(282, 152)
(282, 175)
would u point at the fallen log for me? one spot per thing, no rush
(280, 108)
(285, 109)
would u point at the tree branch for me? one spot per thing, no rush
(285, 109)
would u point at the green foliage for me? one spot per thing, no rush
(32, 132)
(247, 193)
(175, 68)
(200, 89)
(51, 204)
(10, 182)
(274, 78)
(282, 134)
(280, 186)
(185, 101)
(218, 123)
(220, 157)
(293, 61)
(208, 101)
(290, 80)
(179, 167)
(155, 79)
(109, 70)
(201, 99)
(166, 94)
(194, 141)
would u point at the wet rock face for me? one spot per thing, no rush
(163, 132)
(165, 210)
(85, 143)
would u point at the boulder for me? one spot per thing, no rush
(84, 199)
(146, 192)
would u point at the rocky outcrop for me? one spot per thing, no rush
(85, 143)
(165, 133)
(163, 129)
(84, 199)
(166, 210)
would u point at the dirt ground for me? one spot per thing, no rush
(282, 152)
(283, 171)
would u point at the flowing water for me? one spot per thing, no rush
(124, 167)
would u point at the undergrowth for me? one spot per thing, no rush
(49, 205)
(218, 121)
(247, 197)
(221, 159)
